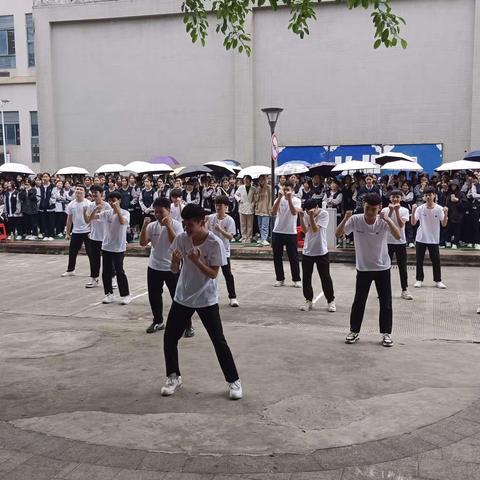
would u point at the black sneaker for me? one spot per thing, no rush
(155, 327)
(189, 332)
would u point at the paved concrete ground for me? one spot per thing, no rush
(80, 383)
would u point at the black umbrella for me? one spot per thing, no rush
(473, 156)
(194, 170)
(323, 168)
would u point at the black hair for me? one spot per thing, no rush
(96, 188)
(176, 192)
(429, 190)
(310, 204)
(114, 194)
(224, 179)
(81, 185)
(372, 199)
(395, 192)
(288, 183)
(222, 200)
(162, 203)
(193, 212)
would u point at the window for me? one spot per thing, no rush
(12, 129)
(7, 42)
(35, 142)
(30, 39)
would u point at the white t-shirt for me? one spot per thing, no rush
(194, 288)
(115, 239)
(75, 209)
(404, 215)
(285, 222)
(430, 219)
(315, 244)
(176, 212)
(160, 256)
(227, 224)
(97, 227)
(371, 251)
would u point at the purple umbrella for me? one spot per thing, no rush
(170, 161)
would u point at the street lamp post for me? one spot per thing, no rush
(272, 116)
(2, 106)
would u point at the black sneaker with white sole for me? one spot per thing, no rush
(155, 327)
(189, 332)
(352, 337)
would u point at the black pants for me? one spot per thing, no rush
(323, 268)
(476, 224)
(113, 262)
(409, 233)
(155, 281)
(279, 240)
(76, 242)
(230, 281)
(434, 253)
(47, 223)
(31, 224)
(15, 223)
(384, 290)
(400, 251)
(94, 258)
(60, 222)
(177, 321)
(454, 231)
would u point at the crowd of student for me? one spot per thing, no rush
(190, 226)
(36, 208)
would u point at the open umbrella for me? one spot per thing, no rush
(354, 166)
(110, 168)
(459, 165)
(388, 157)
(168, 160)
(140, 167)
(473, 156)
(322, 168)
(292, 168)
(194, 170)
(221, 167)
(254, 171)
(403, 166)
(16, 168)
(72, 171)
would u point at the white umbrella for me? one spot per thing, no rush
(16, 168)
(392, 157)
(254, 171)
(218, 166)
(292, 168)
(145, 167)
(354, 166)
(459, 165)
(110, 168)
(403, 166)
(72, 171)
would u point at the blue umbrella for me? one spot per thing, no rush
(473, 156)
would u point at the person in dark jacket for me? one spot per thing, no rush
(365, 190)
(456, 203)
(46, 209)
(28, 198)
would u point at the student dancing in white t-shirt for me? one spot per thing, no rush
(372, 262)
(202, 255)
(314, 223)
(430, 216)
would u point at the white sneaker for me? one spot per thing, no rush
(307, 306)
(45, 239)
(265, 243)
(440, 285)
(478, 310)
(332, 307)
(477, 246)
(233, 302)
(40, 236)
(406, 295)
(448, 244)
(28, 237)
(68, 274)
(235, 390)
(109, 298)
(171, 385)
(60, 235)
(114, 282)
(411, 245)
(279, 283)
(9, 237)
(93, 282)
(418, 284)
(454, 247)
(470, 245)
(387, 340)
(125, 300)
(51, 239)
(297, 285)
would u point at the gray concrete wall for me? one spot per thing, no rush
(122, 82)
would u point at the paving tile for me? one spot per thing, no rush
(470, 413)
(458, 425)
(432, 454)
(462, 452)
(407, 445)
(163, 462)
(329, 475)
(66, 470)
(439, 437)
(15, 438)
(92, 472)
(139, 475)
(15, 459)
(122, 458)
(403, 469)
(81, 452)
(187, 476)
(254, 476)
(48, 446)
(448, 470)
(35, 468)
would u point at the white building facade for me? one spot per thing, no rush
(18, 83)
(120, 80)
